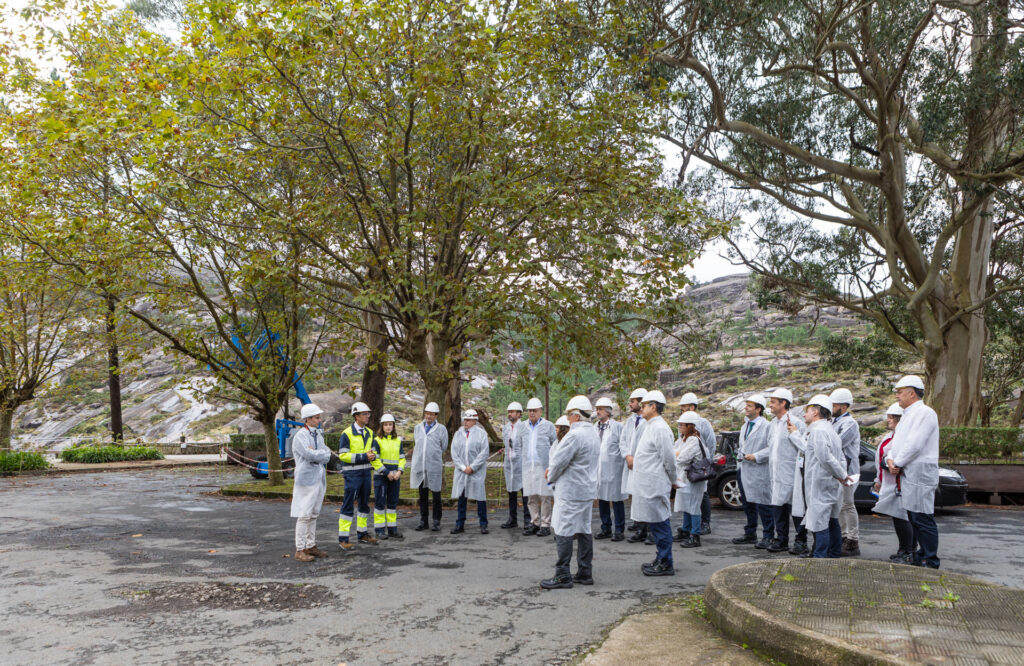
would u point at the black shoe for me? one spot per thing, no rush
(382, 535)
(484, 530)
(422, 526)
(692, 541)
(544, 532)
(746, 538)
(799, 548)
(660, 569)
(603, 534)
(633, 527)
(457, 530)
(436, 527)
(530, 529)
(681, 535)
(762, 544)
(905, 558)
(808, 555)
(580, 580)
(557, 583)
(705, 528)
(649, 540)
(509, 524)
(637, 537)
(776, 546)
(395, 534)
(618, 536)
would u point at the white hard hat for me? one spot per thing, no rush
(689, 399)
(757, 399)
(534, 403)
(689, 417)
(387, 418)
(894, 410)
(359, 408)
(821, 400)
(604, 402)
(638, 393)
(563, 421)
(782, 394)
(841, 395)
(309, 410)
(655, 396)
(580, 402)
(912, 381)
(432, 408)
(470, 414)
(514, 407)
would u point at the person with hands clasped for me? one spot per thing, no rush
(754, 475)
(387, 479)
(311, 454)
(356, 452)
(469, 455)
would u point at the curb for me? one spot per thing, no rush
(122, 466)
(777, 637)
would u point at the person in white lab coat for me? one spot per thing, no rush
(654, 473)
(632, 426)
(688, 449)
(914, 457)
(610, 498)
(688, 403)
(514, 466)
(427, 473)
(536, 439)
(469, 482)
(311, 454)
(849, 433)
(782, 461)
(887, 489)
(754, 475)
(572, 471)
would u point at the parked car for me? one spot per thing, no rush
(952, 485)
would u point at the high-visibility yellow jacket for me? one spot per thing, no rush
(353, 447)
(390, 456)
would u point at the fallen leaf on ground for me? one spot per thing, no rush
(136, 535)
(211, 551)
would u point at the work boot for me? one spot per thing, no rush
(638, 536)
(580, 579)
(563, 582)
(436, 527)
(851, 548)
(618, 536)
(633, 526)
(763, 544)
(509, 524)
(382, 534)
(905, 558)
(745, 539)
(807, 555)
(530, 529)
(692, 541)
(899, 555)
(681, 535)
(365, 537)
(422, 526)
(603, 534)
(799, 548)
(659, 568)
(776, 546)
(345, 545)
(316, 552)
(394, 533)
(705, 528)
(544, 532)
(304, 556)
(484, 530)
(649, 539)
(458, 529)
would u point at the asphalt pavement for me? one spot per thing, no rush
(153, 567)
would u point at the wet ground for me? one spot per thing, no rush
(150, 567)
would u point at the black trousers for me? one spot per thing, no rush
(749, 509)
(425, 504)
(607, 510)
(584, 555)
(781, 516)
(705, 510)
(905, 535)
(513, 512)
(926, 534)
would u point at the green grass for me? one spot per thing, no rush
(12, 462)
(336, 486)
(107, 454)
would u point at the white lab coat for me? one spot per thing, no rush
(572, 470)
(756, 475)
(849, 434)
(428, 456)
(609, 483)
(782, 458)
(628, 439)
(535, 442)
(688, 495)
(915, 450)
(824, 467)
(513, 456)
(889, 503)
(311, 454)
(470, 449)
(654, 470)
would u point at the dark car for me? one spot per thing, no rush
(952, 485)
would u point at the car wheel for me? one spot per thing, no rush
(729, 493)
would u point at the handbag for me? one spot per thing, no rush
(701, 469)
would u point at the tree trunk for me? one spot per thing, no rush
(375, 372)
(453, 396)
(114, 372)
(953, 373)
(276, 476)
(1018, 413)
(6, 419)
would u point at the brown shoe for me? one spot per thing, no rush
(367, 538)
(303, 556)
(316, 552)
(345, 545)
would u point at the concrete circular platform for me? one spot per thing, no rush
(853, 611)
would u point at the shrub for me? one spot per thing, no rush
(252, 441)
(106, 454)
(871, 433)
(12, 462)
(962, 442)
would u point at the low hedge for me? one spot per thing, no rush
(966, 442)
(106, 454)
(12, 462)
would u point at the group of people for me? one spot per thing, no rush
(789, 468)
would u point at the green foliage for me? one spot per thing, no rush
(870, 434)
(106, 454)
(874, 354)
(12, 462)
(987, 443)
